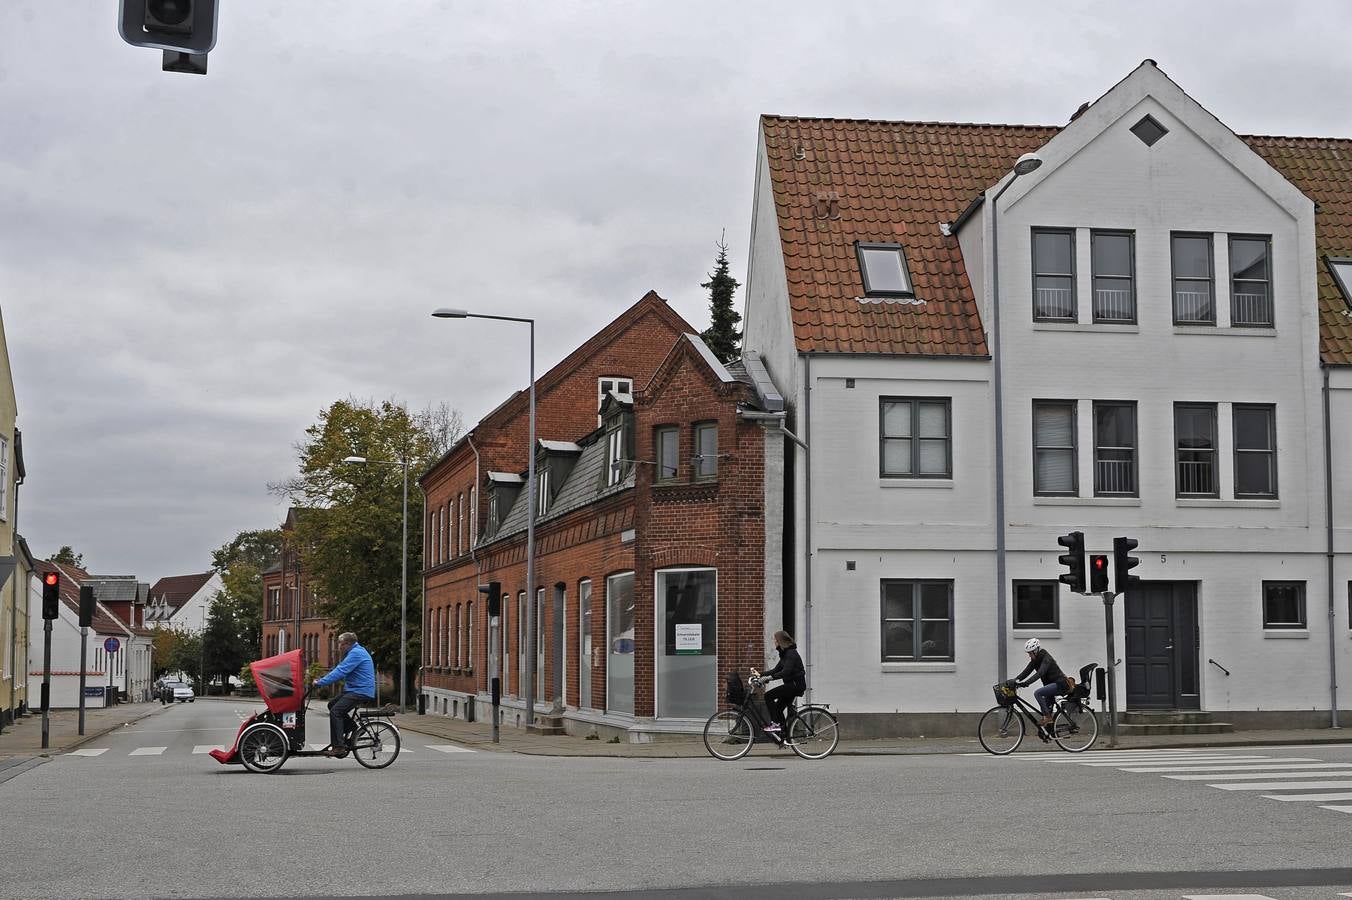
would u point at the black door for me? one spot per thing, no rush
(1162, 652)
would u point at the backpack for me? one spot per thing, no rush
(736, 692)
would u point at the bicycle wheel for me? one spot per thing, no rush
(376, 744)
(1075, 727)
(1001, 730)
(263, 748)
(728, 734)
(814, 733)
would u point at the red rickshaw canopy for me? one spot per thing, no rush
(280, 681)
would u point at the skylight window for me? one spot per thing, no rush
(884, 269)
(1149, 130)
(1342, 274)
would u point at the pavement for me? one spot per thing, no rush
(22, 741)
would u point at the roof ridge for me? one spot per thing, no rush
(949, 124)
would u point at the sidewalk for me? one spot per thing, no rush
(22, 740)
(478, 735)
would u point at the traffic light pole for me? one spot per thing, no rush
(1112, 668)
(84, 648)
(46, 678)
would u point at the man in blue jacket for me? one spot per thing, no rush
(358, 675)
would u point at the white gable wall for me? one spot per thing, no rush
(766, 323)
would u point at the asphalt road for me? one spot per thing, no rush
(136, 820)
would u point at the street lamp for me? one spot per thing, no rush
(446, 313)
(1025, 164)
(403, 572)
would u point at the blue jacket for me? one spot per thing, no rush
(356, 671)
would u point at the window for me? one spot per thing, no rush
(460, 523)
(1114, 448)
(884, 269)
(706, 450)
(1255, 451)
(4, 478)
(1342, 276)
(1251, 280)
(1054, 457)
(665, 443)
(1036, 605)
(456, 656)
(542, 489)
(1193, 294)
(917, 620)
(1283, 604)
(615, 455)
(1113, 255)
(1195, 450)
(1053, 274)
(492, 512)
(1149, 130)
(915, 438)
(469, 641)
(436, 536)
(608, 384)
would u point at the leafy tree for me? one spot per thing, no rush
(223, 652)
(349, 535)
(241, 564)
(69, 557)
(177, 650)
(722, 335)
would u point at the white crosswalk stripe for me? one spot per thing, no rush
(1298, 778)
(89, 751)
(203, 748)
(147, 751)
(449, 748)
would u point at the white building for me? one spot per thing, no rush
(183, 601)
(1161, 288)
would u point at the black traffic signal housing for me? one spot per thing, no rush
(494, 591)
(1073, 560)
(86, 605)
(1098, 573)
(1123, 563)
(184, 29)
(51, 595)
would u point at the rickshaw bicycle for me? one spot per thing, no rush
(267, 739)
(812, 731)
(1074, 727)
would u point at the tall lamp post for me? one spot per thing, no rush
(403, 573)
(445, 313)
(1025, 164)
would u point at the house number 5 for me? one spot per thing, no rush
(1164, 557)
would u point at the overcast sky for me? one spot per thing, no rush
(191, 268)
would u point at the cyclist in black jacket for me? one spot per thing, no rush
(790, 669)
(1041, 665)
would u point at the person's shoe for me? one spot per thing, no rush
(335, 752)
(772, 728)
(1045, 721)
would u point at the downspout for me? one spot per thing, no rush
(1328, 527)
(807, 527)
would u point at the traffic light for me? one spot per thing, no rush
(1073, 560)
(494, 591)
(86, 605)
(1098, 573)
(1123, 563)
(184, 29)
(51, 595)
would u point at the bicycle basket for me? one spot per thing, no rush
(1004, 695)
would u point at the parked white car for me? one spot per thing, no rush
(176, 691)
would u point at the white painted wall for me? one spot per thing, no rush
(766, 324)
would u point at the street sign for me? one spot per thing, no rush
(111, 645)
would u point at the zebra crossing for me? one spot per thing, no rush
(199, 749)
(1289, 779)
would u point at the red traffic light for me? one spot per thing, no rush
(50, 578)
(1100, 562)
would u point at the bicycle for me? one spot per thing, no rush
(1074, 727)
(812, 731)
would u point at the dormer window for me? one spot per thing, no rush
(606, 385)
(1342, 274)
(883, 267)
(542, 492)
(492, 511)
(616, 458)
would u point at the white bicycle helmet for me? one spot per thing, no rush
(1033, 646)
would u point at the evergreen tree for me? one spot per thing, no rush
(722, 335)
(69, 557)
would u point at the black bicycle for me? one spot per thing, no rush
(812, 730)
(1074, 727)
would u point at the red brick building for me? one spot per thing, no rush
(284, 586)
(658, 535)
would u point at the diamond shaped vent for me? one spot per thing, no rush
(1149, 131)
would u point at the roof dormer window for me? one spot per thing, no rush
(1342, 274)
(883, 267)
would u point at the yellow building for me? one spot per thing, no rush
(16, 565)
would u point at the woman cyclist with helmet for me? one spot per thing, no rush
(1041, 665)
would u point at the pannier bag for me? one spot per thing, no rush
(736, 692)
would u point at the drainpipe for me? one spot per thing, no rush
(1328, 527)
(807, 529)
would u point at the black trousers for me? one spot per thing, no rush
(777, 700)
(339, 707)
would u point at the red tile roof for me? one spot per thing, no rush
(838, 181)
(178, 589)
